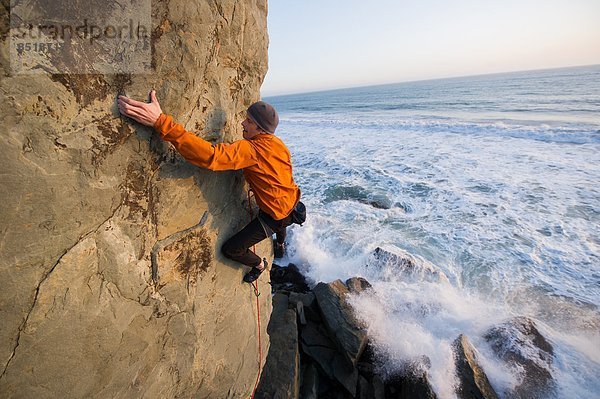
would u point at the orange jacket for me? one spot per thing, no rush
(265, 159)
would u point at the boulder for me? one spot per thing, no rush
(317, 344)
(412, 383)
(365, 389)
(356, 285)
(378, 387)
(349, 334)
(417, 387)
(310, 382)
(90, 198)
(473, 382)
(366, 369)
(300, 312)
(375, 199)
(280, 376)
(288, 278)
(309, 304)
(401, 264)
(519, 342)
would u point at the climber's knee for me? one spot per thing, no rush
(228, 250)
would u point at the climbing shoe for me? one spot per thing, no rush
(255, 273)
(279, 250)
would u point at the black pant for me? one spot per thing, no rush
(238, 247)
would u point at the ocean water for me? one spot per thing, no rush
(491, 181)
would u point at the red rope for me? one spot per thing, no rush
(256, 294)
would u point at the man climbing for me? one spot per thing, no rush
(264, 158)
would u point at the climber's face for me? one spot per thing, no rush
(251, 129)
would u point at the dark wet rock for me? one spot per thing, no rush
(404, 206)
(338, 316)
(519, 342)
(473, 382)
(365, 389)
(368, 355)
(309, 302)
(310, 383)
(356, 285)
(338, 362)
(401, 264)
(336, 393)
(418, 190)
(288, 278)
(365, 369)
(308, 299)
(378, 387)
(377, 200)
(317, 344)
(326, 385)
(300, 313)
(338, 193)
(280, 375)
(411, 384)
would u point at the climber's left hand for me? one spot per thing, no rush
(144, 113)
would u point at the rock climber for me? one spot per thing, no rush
(266, 163)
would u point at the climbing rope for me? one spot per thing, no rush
(256, 294)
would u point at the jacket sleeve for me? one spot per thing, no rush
(200, 152)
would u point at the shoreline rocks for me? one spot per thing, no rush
(519, 343)
(337, 360)
(473, 383)
(281, 368)
(338, 317)
(401, 264)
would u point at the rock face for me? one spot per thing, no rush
(336, 361)
(281, 375)
(288, 278)
(403, 265)
(519, 342)
(473, 383)
(356, 285)
(414, 385)
(339, 318)
(318, 346)
(111, 279)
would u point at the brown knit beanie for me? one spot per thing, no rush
(264, 115)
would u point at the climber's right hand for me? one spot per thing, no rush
(144, 113)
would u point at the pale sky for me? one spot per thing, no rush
(317, 45)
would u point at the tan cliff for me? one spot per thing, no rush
(111, 279)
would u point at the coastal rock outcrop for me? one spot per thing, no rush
(288, 278)
(413, 384)
(317, 344)
(402, 265)
(283, 361)
(473, 382)
(338, 317)
(379, 200)
(519, 343)
(336, 360)
(111, 279)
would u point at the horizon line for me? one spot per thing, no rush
(427, 80)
